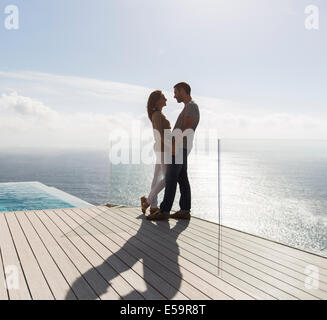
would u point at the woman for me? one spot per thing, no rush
(156, 102)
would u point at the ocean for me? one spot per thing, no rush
(276, 189)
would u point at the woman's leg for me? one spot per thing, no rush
(156, 176)
(160, 172)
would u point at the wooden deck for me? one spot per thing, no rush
(114, 253)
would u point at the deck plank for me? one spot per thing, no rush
(261, 258)
(210, 231)
(202, 235)
(113, 278)
(268, 265)
(121, 265)
(10, 259)
(114, 284)
(56, 281)
(149, 274)
(37, 282)
(292, 267)
(279, 248)
(279, 288)
(114, 253)
(211, 228)
(94, 279)
(153, 283)
(231, 271)
(199, 257)
(189, 265)
(255, 245)
(169, 271)
(83, 291)
(3, 289)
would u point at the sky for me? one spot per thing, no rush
(74, 70)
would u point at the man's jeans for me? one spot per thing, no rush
(177, 173)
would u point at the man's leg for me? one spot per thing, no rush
(184, 186)
(185, 189)
(172, 174)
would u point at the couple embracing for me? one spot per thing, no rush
(172, 150)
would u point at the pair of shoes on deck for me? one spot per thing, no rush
(159, 215)
(181, 214)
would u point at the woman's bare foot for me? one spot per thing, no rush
(144, 204)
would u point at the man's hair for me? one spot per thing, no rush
(183, 85)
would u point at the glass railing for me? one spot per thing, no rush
(276, 189)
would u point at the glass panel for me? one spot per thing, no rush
(276, 190)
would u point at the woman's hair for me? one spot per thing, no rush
(152, 101)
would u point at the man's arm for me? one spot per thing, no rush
(188, 124)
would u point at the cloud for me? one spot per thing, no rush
(25, 122)
(266, 126)
(44, 110)
(24, 106)
(69, 93)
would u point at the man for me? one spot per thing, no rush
(176, 172)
